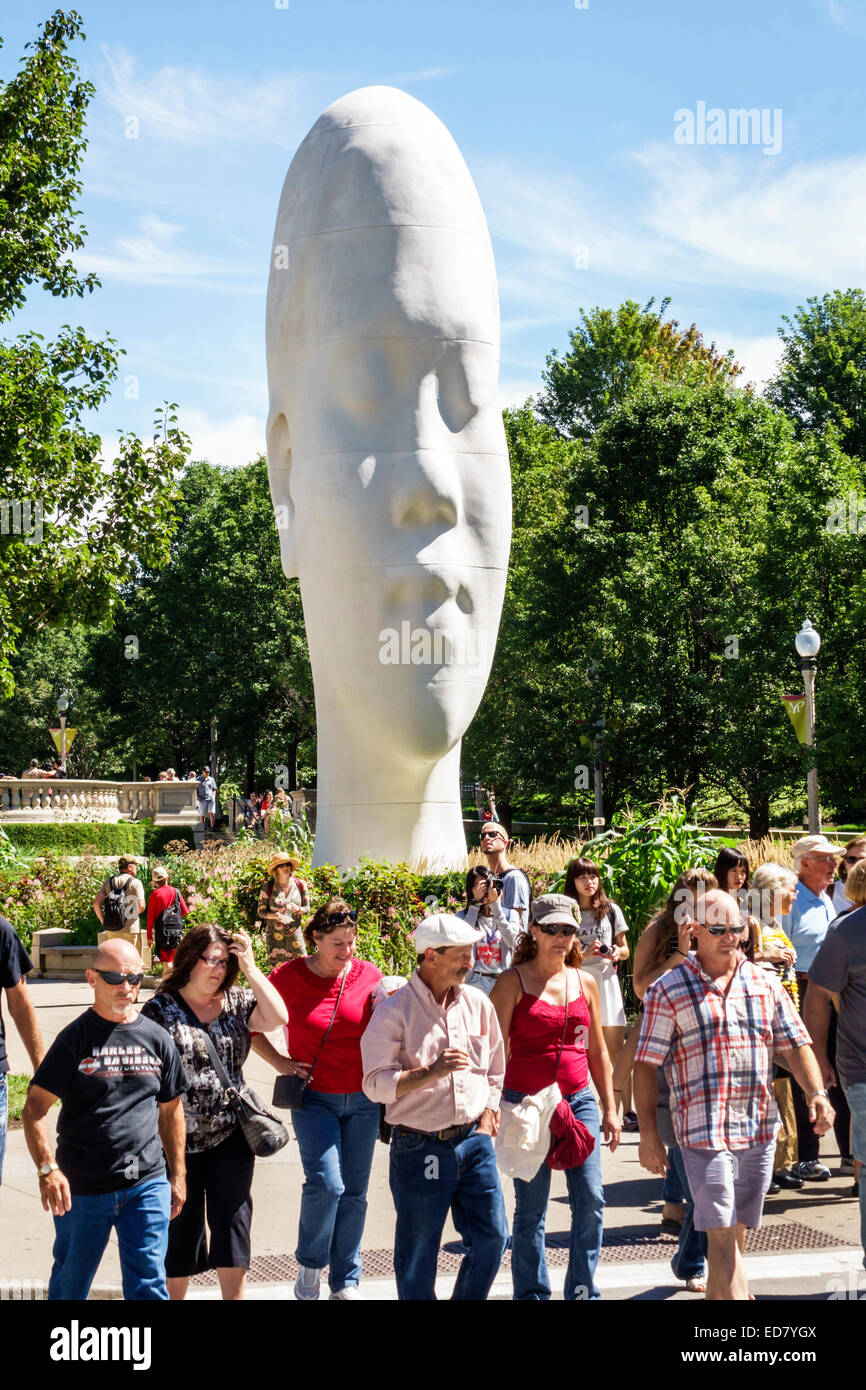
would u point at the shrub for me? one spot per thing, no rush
(164, 839)
(76, 837)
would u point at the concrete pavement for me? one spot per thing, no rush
(808, 1248)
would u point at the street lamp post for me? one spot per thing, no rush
(808, 644)
(62, 707)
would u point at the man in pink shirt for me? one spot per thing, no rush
(434, 1055)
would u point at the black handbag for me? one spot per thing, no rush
(289, 1091)
(264, 1131)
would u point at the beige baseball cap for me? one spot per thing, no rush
(443, 929)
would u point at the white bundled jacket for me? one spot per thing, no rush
(523, 1140)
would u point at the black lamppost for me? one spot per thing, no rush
(808, 644)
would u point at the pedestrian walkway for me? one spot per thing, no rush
(809, 1246)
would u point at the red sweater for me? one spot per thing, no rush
(310, 1000)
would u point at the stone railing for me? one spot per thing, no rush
(67, 799)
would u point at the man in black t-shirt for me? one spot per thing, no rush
(14, 965)
(119, 1080)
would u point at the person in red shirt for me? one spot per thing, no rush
(162, 896)
(329, 998)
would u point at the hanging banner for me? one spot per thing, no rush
(70, 735)
(796, 707)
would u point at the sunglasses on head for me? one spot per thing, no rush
(116, 977)
(557, 929)
(333, 919)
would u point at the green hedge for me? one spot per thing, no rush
(156, 837)
(73, 837)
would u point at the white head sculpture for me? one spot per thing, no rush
(388, 465)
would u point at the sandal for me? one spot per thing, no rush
(697, 1283)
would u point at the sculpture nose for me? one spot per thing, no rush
(427, 494)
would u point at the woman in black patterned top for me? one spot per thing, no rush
(201, 994)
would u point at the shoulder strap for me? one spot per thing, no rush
(222, 1074)
(562, 1038)
(329, 1027)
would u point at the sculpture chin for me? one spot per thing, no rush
(414, 721)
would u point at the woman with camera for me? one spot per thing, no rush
(200, 995)
(328, 995)
(484, 910)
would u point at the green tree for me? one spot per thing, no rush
(71, 529)
(610, 351)
(822, 376)
(218, 632)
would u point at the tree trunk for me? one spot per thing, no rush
(250, 774)
(759, 815)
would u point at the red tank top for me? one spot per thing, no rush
(534, 1039)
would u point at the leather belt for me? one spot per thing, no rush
(453, 1132)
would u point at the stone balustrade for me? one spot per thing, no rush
(74, 799)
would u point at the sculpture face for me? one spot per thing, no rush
(388, 464)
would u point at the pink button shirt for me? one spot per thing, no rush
(410, 1030)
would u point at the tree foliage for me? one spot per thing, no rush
(72, 528)
(822, 375)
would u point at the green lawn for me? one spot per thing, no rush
(17, 1094)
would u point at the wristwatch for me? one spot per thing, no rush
(45, 1168)
(813, 1094)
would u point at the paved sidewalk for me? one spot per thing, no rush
(808, 1247)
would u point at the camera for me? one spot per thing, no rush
(603, 950)
(495, 883)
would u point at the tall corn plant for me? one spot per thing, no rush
(641, 860)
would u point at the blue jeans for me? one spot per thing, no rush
(586, 1196)
(429, 1177)
(4, 1111)
(672, 1191)
(140, 1216)
(689, 1262)
(856, 1097)
(336, 1135)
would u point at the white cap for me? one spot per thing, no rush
(444, 929)
(814, 844)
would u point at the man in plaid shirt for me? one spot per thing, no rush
(715, 1022)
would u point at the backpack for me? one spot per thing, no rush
(168, 927)
(116, 915)
(524, 926)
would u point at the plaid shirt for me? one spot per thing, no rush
(717, 1051)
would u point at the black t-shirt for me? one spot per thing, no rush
(110, 1078)
(14, 965)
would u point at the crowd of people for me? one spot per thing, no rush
(505, 1056)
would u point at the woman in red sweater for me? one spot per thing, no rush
(550, 1017)
(336, 1126)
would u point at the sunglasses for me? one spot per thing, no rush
(556, 929)
(333, 919)
(115, 977)
(726, 931)
(851, 859)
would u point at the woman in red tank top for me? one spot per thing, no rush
(550, 1016)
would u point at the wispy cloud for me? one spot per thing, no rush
(230, 442)
(708, 217)
(423, 75)
(848, 14)
(186, 105)
(153, 257)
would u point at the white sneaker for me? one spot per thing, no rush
(345, 1295)
(307, 1284)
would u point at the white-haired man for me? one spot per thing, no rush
(815, 862)
(433, 1053)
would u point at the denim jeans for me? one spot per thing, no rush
(4, 1111)
(139, 1215)
(671, 1190)
(336, 1135)
(586, 1197)
(428, 1178)
(689, 1262)
(856, 1097)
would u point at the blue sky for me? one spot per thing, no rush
(566, 118)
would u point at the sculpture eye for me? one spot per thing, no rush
(454, 392)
